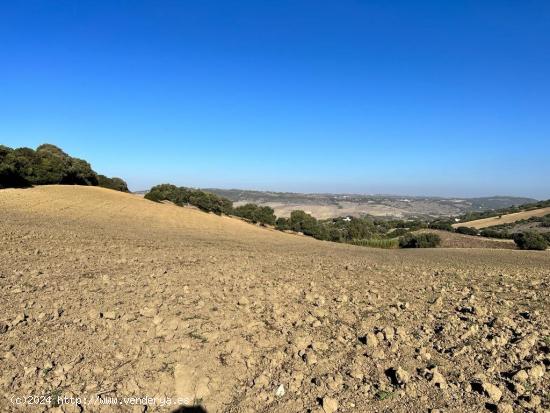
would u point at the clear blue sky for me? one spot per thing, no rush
(407, 97)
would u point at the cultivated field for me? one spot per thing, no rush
(504, 219)
(456, 240)
(104, 294)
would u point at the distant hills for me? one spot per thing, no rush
(333, 205)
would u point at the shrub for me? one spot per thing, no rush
(493, 233)
(10, 178)
(398, 232)
(205, 201)
(530, 241)
(262, 214)
(335, 234)
(117, 184)
(377, 242)
(282, 224)
(442, 225)
(424, 240)
(303, 222)
(467, 230)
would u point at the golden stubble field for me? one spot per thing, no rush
(106, 295)
(504, 219)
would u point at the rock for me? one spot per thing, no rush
(527, 342)
(243, 301)
(399, 376)
(330, 405)
(310, 358)
(492, 391)
(261, 381)
(505, 408)
(536, 372)
(438, 379)
(109, 315)
(148, 312)
(3, 327)
(389, 333)
(19, 319)
(371, 341)
(280, 392)
(521, 376)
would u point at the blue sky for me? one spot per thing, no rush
(405, 97)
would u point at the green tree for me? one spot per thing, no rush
(282, 224)
(115, 183)
(424, 240)
(467, 230)
(530, 240)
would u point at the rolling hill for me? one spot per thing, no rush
(504, 219)
(107, 295)
(324, 206)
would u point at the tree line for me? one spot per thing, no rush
(48, 164)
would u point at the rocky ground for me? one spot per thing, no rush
(109, 296)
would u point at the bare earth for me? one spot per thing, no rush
(504, 219)
(107, 294)
(456, 240)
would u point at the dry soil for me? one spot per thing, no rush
(106, 295)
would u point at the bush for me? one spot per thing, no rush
(493, 233)
(262, 214)
(205, 201)
(398, 232)
(117, 184)
(282, 224)
(442, 225)
(425, 240)
(530, 241)
(467, 231)
(303, 222)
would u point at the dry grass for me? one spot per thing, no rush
(504, 219)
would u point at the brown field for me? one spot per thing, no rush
(105, 294)
(504, 219)
(454, 240)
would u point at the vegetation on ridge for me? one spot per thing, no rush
(48, 164)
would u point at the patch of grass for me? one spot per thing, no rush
(383, 395)
(198, 336)
(55, 394)
(377, 242)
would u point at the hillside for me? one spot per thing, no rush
(107, 295)
(504, 219)
(456, 240)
